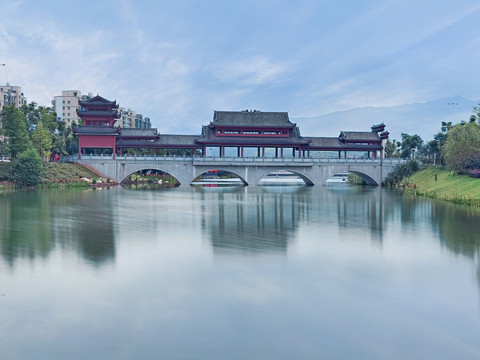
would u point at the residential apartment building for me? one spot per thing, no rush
(11, 95)
(66, 106)
(142, 122)
(129, 119)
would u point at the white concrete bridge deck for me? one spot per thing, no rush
(313, 171)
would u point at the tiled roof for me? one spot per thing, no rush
(329, 143)
(95, 130)
(251, 119)
(138, 132)
(165, 140)
(108, 113)
(208, 137)
(98, 100)
(361, 136)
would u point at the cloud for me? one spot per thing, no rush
(256, 70)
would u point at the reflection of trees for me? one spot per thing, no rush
(459, 230)
(458, 227)
(32, 224)
(83, 221)
(252, 222)
(25, 229)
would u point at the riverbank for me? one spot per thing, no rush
(438, 183)
(55, 175)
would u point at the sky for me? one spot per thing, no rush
(178, 61)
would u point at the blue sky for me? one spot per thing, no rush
(177, 61)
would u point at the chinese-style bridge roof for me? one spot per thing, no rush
(378, 127)
(161, 141)
(293, 138)
(335, 144)
(359, 136)
(139, 133)
(251, 119)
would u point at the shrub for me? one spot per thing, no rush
(27, 168)
(475, 173)
(400, 172)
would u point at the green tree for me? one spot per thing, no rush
(15, 130)
(391, 149)
(35, 115)
(476, 113)
(432, 151)
(409, 143)
(27, 168)
(462, 147)
(3, 143)
(42, 141)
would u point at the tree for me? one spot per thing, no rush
(42, 141)
(391, 149)
(446, 126)
(15, 128)
(476, 113)
(27, 168)
(409, 143)
(433, 149)
(462, 147)
(35, 115)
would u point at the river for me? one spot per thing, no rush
(328, 272)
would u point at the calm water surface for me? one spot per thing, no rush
(237, 273)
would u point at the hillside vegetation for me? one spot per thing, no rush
(439, 183)
(54, 173)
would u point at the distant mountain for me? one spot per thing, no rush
(423, 119)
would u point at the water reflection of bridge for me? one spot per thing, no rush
(268, 220)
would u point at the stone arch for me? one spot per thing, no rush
(367, 178)
(206, 170)
(262, 174)
(133, 170)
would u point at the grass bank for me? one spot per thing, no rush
(54, 175)
(438, 183)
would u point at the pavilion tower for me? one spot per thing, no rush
(97, 136)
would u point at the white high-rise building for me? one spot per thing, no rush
(66, 106)
(127, 118)
(11, 95)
